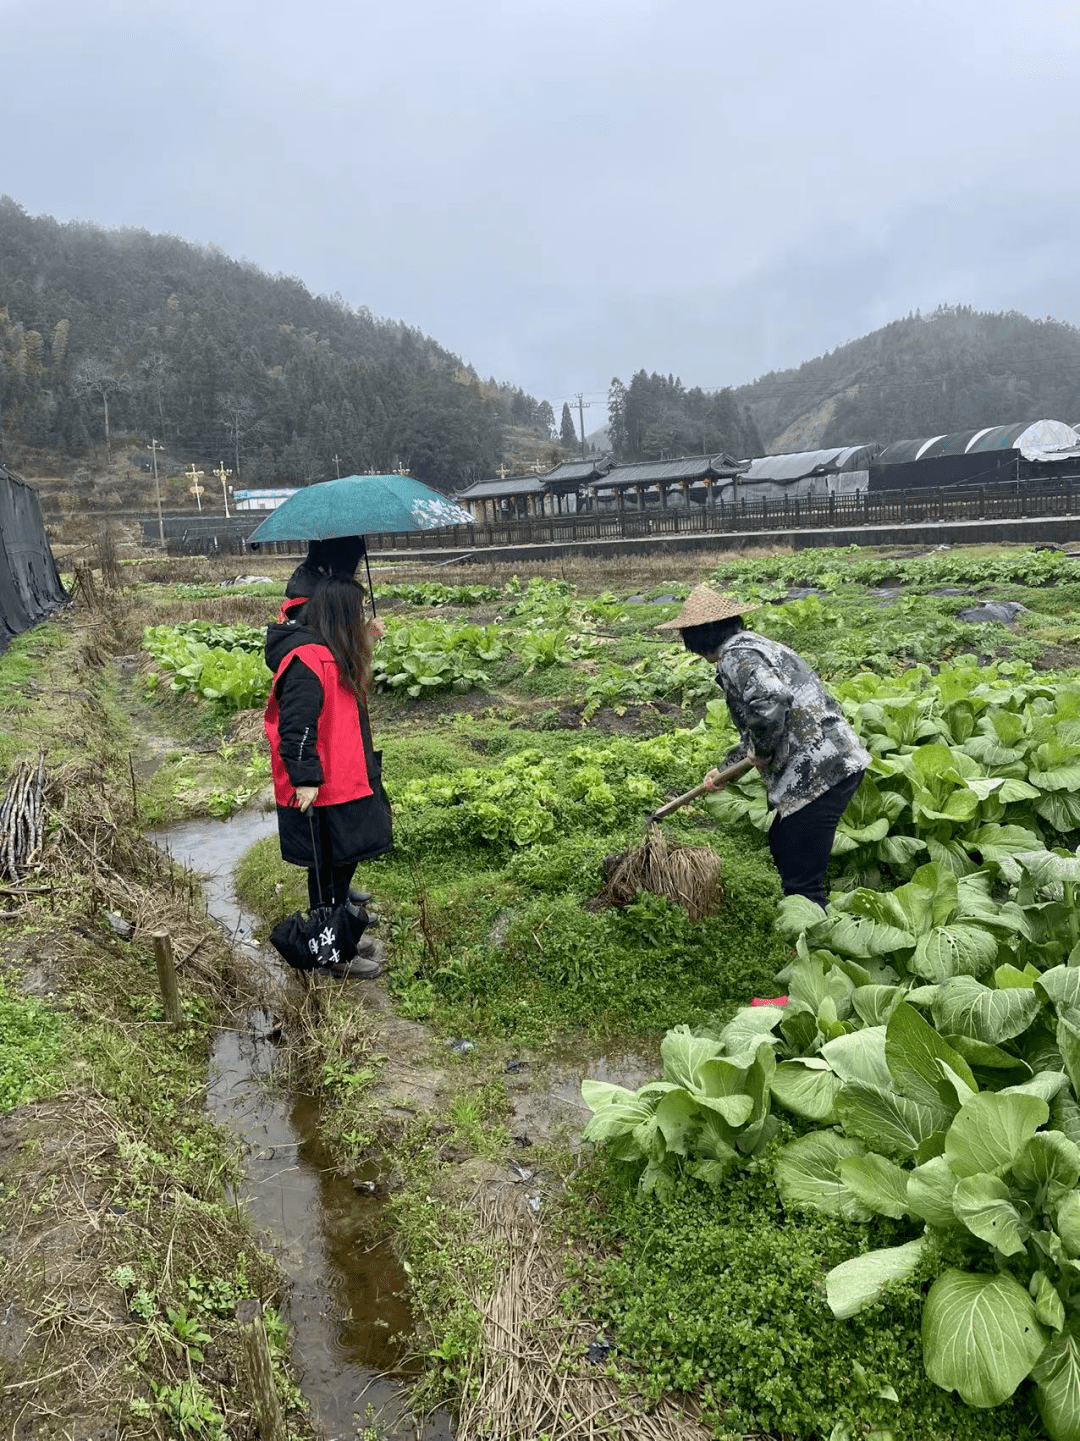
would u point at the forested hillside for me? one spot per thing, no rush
(655, 417)
(954, 369)
(126, 332)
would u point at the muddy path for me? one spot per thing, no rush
(353, 1331)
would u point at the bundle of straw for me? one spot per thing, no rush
(689, 876)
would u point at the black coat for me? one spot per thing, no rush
(343, 834)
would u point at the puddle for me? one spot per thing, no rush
(350, 1326)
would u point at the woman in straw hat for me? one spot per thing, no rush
(791, 728)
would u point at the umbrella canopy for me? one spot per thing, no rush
(359, 505)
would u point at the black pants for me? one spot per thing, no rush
(802, 842)
(334, 882)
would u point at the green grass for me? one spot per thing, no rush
(506, 947)
(720, 1294)
(33, 1049)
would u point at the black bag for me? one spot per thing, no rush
(325, 936)
(322, 936)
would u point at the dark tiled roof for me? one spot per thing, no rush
(501, 489)
(687, 467)
(590, 469)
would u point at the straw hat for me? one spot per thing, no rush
(702, 606)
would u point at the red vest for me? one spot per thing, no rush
(338, 741)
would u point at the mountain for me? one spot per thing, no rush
(956, 369)
(109, 332)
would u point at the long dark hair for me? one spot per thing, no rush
(336, 614)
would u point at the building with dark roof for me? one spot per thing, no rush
(684, 481)
(549, 492)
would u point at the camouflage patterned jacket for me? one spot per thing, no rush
(787, 719)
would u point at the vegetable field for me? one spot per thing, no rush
(854, 1212)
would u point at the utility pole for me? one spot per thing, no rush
(337, 463)
(582, 407)
(153, 448)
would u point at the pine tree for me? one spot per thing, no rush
(567, 434)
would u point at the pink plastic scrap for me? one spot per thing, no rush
(769, 1001)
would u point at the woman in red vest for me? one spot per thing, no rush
(331, 808)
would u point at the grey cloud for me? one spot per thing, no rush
(563, 191)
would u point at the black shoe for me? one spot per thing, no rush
(359, 898)
(371, 949)
(360, 968)
(371, 921)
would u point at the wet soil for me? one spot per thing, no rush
(350, 1322)
(653, 718)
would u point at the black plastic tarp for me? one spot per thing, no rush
(30, 586)
(985, 468)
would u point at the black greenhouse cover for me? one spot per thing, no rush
(30, 586)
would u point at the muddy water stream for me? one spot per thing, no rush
(350, 1325)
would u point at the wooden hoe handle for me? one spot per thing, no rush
(729, 773)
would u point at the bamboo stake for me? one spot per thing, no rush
(259, 1371)
(166, 969)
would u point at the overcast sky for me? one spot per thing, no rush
(566, 190)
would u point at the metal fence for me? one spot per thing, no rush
(856, 511)
(812, 512)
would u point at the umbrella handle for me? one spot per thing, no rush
(370, 585)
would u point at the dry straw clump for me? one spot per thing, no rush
(688, 876)
(535, 1378)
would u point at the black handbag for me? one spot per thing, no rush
(323, 936)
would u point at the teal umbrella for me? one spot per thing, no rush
(359, 505)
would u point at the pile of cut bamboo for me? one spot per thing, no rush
(22, 819)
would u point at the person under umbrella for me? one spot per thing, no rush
(795, 733)
(332, 811)
(340, 555)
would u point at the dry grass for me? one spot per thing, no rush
(535, 1378)
(84, 1189)
(688, 876)
(228, 610)
(590, 572)
(90, 1199)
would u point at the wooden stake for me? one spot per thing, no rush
(166, 971)
(259, 1371)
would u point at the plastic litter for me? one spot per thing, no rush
(1003, 611)
(462, 1048)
